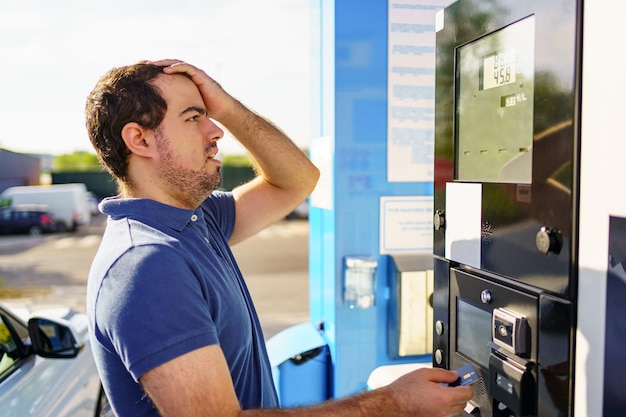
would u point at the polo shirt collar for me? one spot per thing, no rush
(139, 208)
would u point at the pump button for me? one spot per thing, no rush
(439, 327)
(548, 240)
(439, 220)
(439, 356)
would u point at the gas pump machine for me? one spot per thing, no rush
(506, 223)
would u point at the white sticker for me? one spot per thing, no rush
(463, 219)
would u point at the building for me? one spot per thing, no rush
(18, 169)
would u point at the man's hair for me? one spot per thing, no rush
(121, 96)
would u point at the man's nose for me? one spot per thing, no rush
(212, 130)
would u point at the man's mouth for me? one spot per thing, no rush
(213, 151)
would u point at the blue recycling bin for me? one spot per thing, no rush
(300, 361)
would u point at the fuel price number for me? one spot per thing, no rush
(499, 69)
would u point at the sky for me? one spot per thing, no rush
(53, 52)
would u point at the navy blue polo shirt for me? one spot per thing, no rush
(163, 283)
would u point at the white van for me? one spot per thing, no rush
(66, 202)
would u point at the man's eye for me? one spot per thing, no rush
(194, 118)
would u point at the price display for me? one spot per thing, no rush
(499, 69)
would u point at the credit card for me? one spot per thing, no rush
(467, 376)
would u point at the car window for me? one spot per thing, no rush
(5, 215)
(12, 334)
(7, 345)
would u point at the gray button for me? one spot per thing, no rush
(439, 356)
(439, 327)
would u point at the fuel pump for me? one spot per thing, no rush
(507, 119)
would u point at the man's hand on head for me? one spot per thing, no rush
(217, 101)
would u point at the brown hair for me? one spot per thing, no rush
(121, 96)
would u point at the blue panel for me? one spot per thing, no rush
(353, 99)
(370, 109)
(316, 262)
(360, 178)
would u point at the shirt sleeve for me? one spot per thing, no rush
(151, 308)
(220, 209)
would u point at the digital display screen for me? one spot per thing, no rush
(498, 69)
(494, 106)
(473, 332)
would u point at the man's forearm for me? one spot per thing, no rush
(421, 393)
(369, 404)
(276, 157)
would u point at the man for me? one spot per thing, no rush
(173, 328)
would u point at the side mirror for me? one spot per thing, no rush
(53, 338)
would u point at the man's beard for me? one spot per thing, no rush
(195, 183)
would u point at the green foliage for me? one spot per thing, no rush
(5, 335)
(85, 161)
(236, 160)
(77, 161)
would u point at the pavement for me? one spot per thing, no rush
(18, 243)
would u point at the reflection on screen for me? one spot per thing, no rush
(473, 332)
(494, 106)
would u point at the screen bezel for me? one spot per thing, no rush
(504, 112)
(512, 213)
(471, 288)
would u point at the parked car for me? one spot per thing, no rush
(67, 202)
(300, 212)
(46, 365)
(33, 219)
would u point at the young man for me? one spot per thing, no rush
(172, 325)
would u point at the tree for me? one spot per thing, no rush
(77, 161)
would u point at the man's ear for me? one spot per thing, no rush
(136, 139)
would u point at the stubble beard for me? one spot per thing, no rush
(194, 183)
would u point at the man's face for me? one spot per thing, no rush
(187, 140)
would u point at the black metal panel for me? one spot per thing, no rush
(441, 318)
(481, 296)
(556, 318)
(472, 288)
(512, 214)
